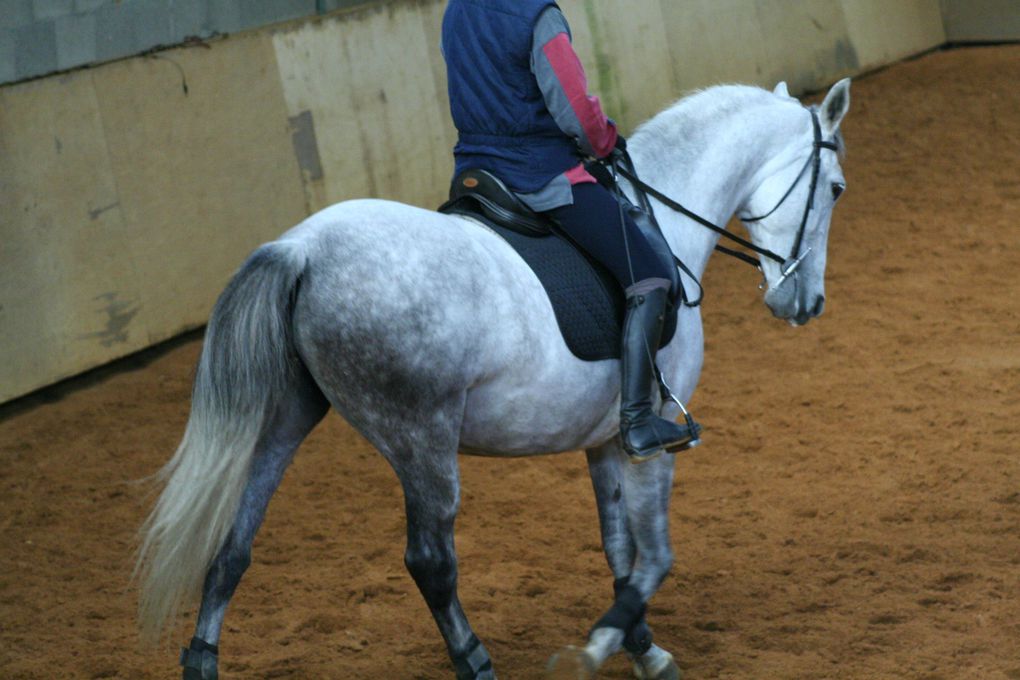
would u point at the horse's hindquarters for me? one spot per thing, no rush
(401, 309)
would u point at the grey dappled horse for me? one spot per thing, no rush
(430, 335)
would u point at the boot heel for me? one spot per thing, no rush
(638, 458)
(683, 446)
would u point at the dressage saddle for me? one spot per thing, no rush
(588, 302)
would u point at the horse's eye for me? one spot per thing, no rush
(837, 190)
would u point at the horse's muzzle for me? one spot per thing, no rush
(804, 314)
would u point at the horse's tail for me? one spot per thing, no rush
(246, 360)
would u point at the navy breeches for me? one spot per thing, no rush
(593, 222)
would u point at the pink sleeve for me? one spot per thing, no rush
(598, 131)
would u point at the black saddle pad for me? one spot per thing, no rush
(587, 300)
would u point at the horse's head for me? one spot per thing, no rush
(789, 210)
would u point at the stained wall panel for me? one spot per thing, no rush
(68, 298)
(883, 32)
(804, 43)
(203, 176)
(128, 203)
(367, 79)
(431, 16)
(981, 20)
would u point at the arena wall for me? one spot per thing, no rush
(968, 21)
(131, 190)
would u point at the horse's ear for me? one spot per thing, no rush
(835, 106)
(781, 90)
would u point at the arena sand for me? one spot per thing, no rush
(854, 511)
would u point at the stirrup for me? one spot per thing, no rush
(667, 395)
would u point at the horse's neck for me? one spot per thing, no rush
(711, 176)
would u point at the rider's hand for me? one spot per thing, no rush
(619, 152)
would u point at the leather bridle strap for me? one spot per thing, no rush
(739, 254)
(813, 161)
(673, 205)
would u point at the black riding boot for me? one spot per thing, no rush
(644, 433)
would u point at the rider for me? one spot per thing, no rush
(518, 95)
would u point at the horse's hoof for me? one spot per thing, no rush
(662, 668)
(570, 663)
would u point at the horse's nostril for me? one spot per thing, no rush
(819, 305)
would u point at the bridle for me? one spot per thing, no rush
(623, 165)
(815, 161)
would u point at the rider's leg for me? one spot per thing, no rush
(594, 221)
(644, 433)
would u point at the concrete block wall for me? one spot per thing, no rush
(38, 37)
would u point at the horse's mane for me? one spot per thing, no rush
(700, 108)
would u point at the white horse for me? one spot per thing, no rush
(430, 335)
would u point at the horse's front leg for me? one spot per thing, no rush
(606, 465)
(633, 504)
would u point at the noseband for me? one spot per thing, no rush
(787, 265)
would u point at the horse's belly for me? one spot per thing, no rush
(519, 418)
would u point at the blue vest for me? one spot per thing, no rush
(503, 124)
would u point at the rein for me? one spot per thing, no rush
(623, 165)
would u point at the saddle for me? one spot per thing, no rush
(588, 302)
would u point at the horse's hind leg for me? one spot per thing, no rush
(422, 449)
(606, 465)
(298, 413)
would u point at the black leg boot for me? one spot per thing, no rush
(199, 660)
(645, 435)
